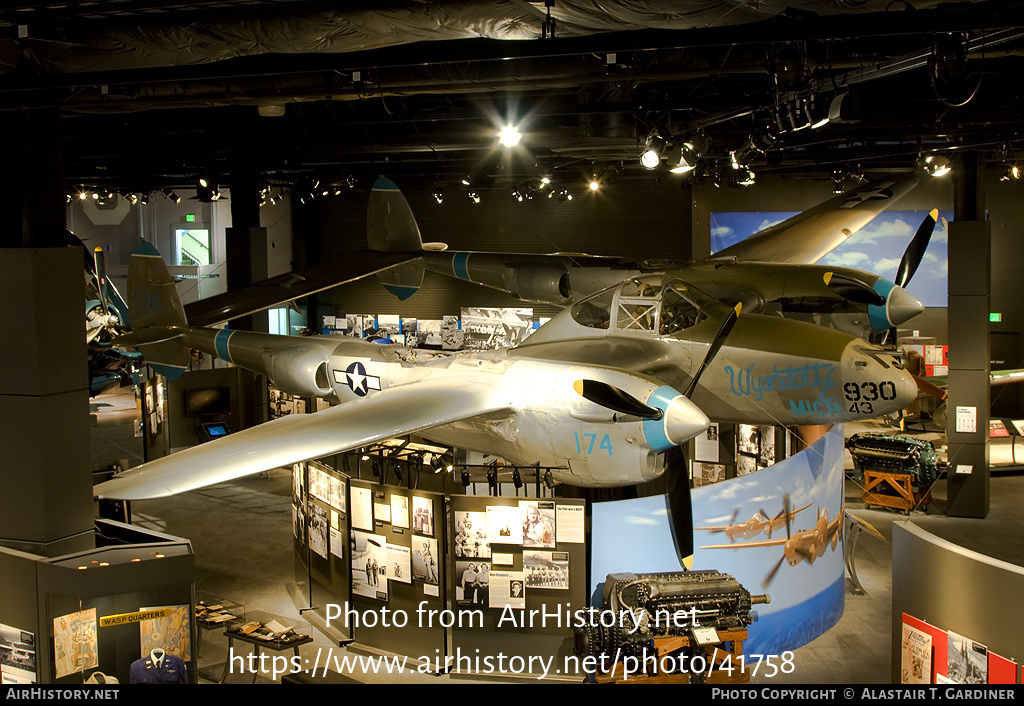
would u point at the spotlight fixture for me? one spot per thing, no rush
(439, 197)
(517, 194)
(594, 184)
(465, 478)
(473, 196)
(549, 480)
(654, 150)
(935, 165)
(492, 476)
(544, 181)
(837, 182)
(517, 480)
(684, 158)
(169, 193)
(1012, 173)
(509, 136)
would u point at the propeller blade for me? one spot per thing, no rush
(615, 399)
(930, 388)
(680, 510)
(785, 508)
(852, 289)
(915, 250)
(771, 574)
(716, 345)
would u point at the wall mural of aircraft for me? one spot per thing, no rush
(759, 523)
(801, 545)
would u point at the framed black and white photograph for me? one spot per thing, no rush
(425, 560)
(422, 515)
(472, 583)
(471, 535)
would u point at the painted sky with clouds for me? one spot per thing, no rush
(877, 247)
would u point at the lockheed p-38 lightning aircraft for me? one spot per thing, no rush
(599, 394)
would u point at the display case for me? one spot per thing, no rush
(214, 612)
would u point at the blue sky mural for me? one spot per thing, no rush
(807, 599)
(877, 247)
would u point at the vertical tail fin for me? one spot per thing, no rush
(153, 301)
(391, 227)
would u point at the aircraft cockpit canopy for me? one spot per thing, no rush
(652, 304)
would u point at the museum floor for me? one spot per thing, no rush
(241, 536)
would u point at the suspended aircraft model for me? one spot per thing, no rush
(760, 272)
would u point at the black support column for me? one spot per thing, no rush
(970, 242)
(246, 246)
(46, 504)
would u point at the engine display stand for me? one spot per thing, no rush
(895, 490)
(725, 662)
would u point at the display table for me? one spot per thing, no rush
(725, 661)
(265, 631)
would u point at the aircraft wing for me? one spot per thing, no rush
(282, 442)
(276, 291)
(809, 236)
(747, 545)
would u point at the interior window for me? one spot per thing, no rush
(680, 309)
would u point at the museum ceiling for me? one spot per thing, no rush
(157, 92)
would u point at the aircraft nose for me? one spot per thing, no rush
(874, 381)
(682, 420)
(900, 306)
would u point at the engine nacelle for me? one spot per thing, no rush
(300, 371)
(538, 282)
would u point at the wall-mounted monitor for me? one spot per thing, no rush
(207, 401)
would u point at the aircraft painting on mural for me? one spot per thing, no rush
(759, 524)
(769, 272)
(807, 597)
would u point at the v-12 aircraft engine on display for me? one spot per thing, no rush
(639, 607)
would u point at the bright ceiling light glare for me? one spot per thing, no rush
(509, 136)
(439, 197)
(650, 159)
(1012, 173)
(935, 165)
(594, 185)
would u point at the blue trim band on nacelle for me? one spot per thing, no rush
(460, 265)
(878, 314)
(654, 429)
(384, 184)
(220, 344)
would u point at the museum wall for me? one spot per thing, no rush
(954, 589)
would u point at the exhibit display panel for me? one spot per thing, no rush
(950, 608)
(129, 599)
(803, 573)
(519, 572)
(397, 569)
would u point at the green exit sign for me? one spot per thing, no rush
(995, 317)
(191, 218)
